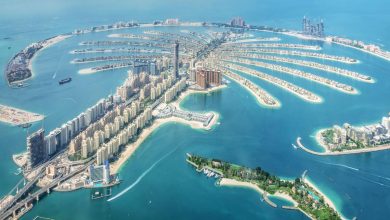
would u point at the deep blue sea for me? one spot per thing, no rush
(247, 134)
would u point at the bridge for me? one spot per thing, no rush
(25, 204)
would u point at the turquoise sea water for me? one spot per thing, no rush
(247, 134)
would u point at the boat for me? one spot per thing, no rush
(294, 146)
(19, 85)
(66, 80)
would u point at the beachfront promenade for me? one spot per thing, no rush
(295, 72)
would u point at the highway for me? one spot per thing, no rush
(43, 190)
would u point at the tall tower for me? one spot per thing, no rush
(304, 25)
(176, 60)
(35, 148)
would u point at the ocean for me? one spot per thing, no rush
(247, 134)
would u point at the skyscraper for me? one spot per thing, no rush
(35, 148)
(176, 60)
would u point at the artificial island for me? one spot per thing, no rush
(348, 139)
(163, 68)
(303, 195)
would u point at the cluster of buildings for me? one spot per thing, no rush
(313, 29)
(41, 147)
(118, 25)
(237, 22)
(120, 125)
(361, 45)
(370, 135)
(100, 128)
(205, 77)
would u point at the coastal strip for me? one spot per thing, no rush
(15, 116)
(294, 89)
(304, 195)
(321, 56)
(262, 96)
(118, 50)
(112, 58)
(257, 39)
(355, 44)
(276, 45)
(104, 68)
(305, 75)
(314, 65)
(123, 43)
(146, 132)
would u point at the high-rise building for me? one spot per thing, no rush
(313, 29)
(36, 148)
(176, 60)
(237, 22)
(208, 77)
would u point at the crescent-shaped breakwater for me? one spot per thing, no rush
(294, 89)
(308, 76)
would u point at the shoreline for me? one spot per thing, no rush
(259, 99)
(116, 166)
(49, 42)
(310, 64)
(327, 200)
(278, 82)
(279, 195)
(304, 75)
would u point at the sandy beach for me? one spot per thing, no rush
(236, 183)
(326, 199)
(286, 197)
(146, 132)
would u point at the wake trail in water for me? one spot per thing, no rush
(140, 177)
(342, 165)
(365, 172)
